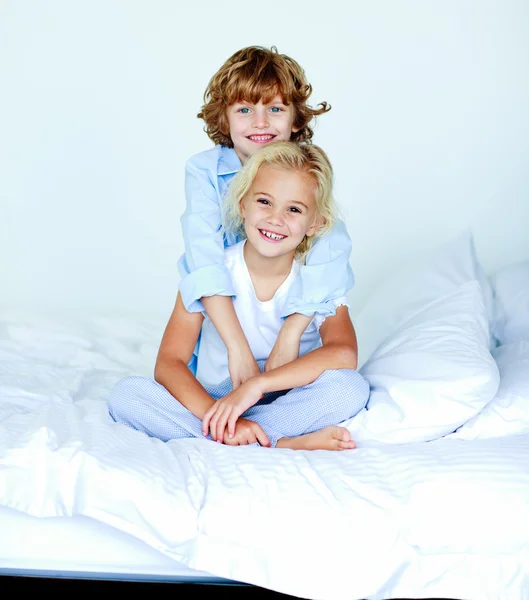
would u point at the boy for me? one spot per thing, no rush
(258, 96)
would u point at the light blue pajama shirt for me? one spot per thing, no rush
(326, 275)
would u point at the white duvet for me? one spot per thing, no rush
(448, 518)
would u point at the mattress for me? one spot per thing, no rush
(447, 518)
(83, 547)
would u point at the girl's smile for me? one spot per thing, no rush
(279, 211)
(272, 237)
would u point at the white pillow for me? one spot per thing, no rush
(511, 286)
(488, 299)
(508, 412)
(427, 279)
(431, 370)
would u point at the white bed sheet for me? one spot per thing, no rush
(79, 546)
(447, 518)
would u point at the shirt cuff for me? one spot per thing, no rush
(213, 280)
(315, 291)
(319, 317)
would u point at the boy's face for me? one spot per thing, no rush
(254, 125)
(279, 210)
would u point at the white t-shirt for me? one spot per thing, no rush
(260, 321)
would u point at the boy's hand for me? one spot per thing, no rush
(286, 348)
(225, 412)
(247, 432)
(242, 366)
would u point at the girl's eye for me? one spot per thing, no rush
(263, 201)
(295, 209)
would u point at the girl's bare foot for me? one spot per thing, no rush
(328, 438)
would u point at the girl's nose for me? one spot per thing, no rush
(276, 218)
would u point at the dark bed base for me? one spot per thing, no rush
(13, 586)
(64, 587)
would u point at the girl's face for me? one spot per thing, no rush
(279, 210)
(254, 125)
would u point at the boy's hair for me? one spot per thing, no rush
(256, 74)
(305, 158)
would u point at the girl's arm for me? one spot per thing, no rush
(171, 371)
(339, 350)
(176, 348)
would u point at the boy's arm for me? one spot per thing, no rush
(286, 347)
(326, 275)
(206, 282)
(202, 267)
(241, 362)
(176, 348)
(339, 351)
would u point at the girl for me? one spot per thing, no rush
(256, 97)
(279, 202)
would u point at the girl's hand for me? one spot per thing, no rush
(247, 432)
(242, 366)
(227, 410)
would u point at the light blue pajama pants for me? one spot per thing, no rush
(145, 405)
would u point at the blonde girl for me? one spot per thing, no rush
(280, 203)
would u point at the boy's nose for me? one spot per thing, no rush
(260, 120)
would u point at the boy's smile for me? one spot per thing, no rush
(254, 125)
(261, 138)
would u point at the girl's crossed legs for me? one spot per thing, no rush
(303, 418)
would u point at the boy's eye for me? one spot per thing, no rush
(275, 109)
(244, 110)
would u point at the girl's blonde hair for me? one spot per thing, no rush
(256, 74)
(305, 158)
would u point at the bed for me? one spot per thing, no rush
(434, 502)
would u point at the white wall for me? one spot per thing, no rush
(429, 133)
